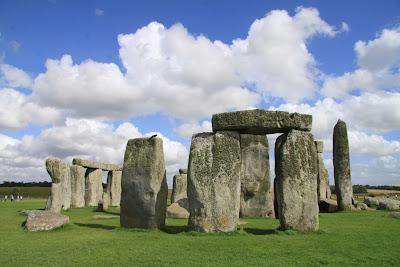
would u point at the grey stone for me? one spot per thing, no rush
(177, 211)
(341, 163)
(179, 189)
(254, 176)
(371, 201)
(44, 220)
(60, 197)
(104, 203)
(389, 204)
(114, 187)
(93, 187)
(96, 165)
(144, 184)
(183, 171)
(323, 188)
(214, 182)
(327, 205)
(77, 186)
(270, 203)
(296, 177)
(260, 121)
(276, 209)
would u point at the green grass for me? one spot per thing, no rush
(365, 238)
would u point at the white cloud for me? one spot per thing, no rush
(275, 56)
(18, 110)
(190, 128)
(345, 27)
(11, 76)
(374, 145)
(24, 159)
(15, 46)
(382, 170)
(99, 12)
(379, 64)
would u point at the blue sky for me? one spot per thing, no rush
(78, 78)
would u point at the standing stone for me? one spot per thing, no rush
(104, 203)
(114, 187)
(179, 189)
(94, 187)
(144, 184)
(296, 177)
(276, 209)
(60, 197)
(77, 186)
(323, 178)
(214, 182)
(254, 176)
(341, 164)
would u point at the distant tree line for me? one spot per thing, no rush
(361, 189)
(22, 184)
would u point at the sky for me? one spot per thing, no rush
(80, 78)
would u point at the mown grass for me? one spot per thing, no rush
(365, 238)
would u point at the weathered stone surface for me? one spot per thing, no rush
(77, 186)
(59, 172)
(260, 121)
(341, 164)
(104, 203)
(96, 165)
(176, 211)
(323, 188)
(371, 201)
(254, 175)
(144, 184)
(93, 187)
(276, 209)
(296, 178)
(361, 206)
(114, 187)
(179, 189)
(327, 205)
(214, 182)
(44, 220)
(270, 203)
(389, 204)
(183, 171)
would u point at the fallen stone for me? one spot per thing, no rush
(93, 187)
(144, 184)
(327, 205)
(179, 187)
(96, 165)
(371, 201)
(389, 204)
(77, 186)
(296, 175)
(44, 220)
(341, 163)
(214, 182)
(114, 187)
(176, 211)
(60, 197)
(254, 177)
(260, 121)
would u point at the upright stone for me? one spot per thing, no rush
(94, 187)
(254, 176)
(60, 197)
(114, 187)
(214, 182)
(77, 186)
(296, 179)
(323, 189)
(179, 184)
(144, 184)
(341, 164)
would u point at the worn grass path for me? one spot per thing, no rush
(346, 239)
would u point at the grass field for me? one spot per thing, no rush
(31, 192)
(365, 238)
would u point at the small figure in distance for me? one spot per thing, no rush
(12, 198)
(5, 198)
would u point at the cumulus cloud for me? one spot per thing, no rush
(275, 56)
(11, 76)
(18, 110)
(379, 64)
(380, 170)
(188, 129)
(24, 158)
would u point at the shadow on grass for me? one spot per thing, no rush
(106, 212)
(256, 231)
(174, 229)
(96, 226)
